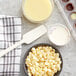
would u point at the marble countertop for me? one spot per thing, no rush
(13, 8)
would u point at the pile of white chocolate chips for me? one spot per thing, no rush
(43, 61)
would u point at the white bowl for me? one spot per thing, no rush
(53, 41)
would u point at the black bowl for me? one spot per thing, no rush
(42, 44)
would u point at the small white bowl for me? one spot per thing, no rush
(51, 35)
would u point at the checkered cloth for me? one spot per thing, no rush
(10, 32)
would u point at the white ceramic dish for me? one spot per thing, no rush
(53, 41)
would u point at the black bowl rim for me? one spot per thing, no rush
(42, 44)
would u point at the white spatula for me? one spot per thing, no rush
(27, 38)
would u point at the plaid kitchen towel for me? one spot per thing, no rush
(10, 32)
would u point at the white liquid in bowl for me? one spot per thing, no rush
(59, 35)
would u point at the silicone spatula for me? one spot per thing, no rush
(27, 38)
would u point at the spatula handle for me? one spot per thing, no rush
(3, 52)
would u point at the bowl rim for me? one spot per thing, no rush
(42, 44)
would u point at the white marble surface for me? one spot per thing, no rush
(13, 8)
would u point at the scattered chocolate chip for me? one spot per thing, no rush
(65, 0)
(69, 7)
(75, 25)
